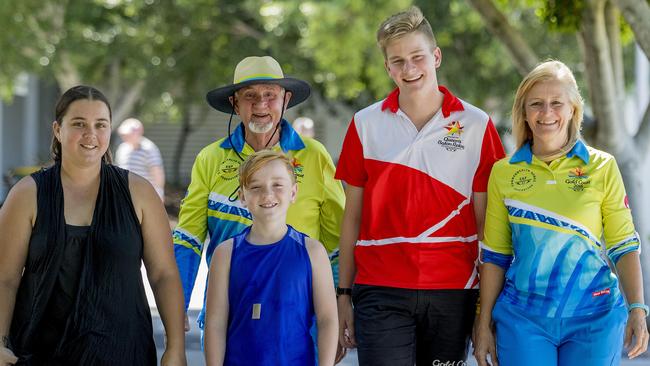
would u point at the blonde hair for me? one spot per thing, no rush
(403, 23)
(546, 71)
(258, 160)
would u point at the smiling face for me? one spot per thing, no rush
(84, 132)
(411, 61)
(269, 191)
(260, 106)
(548, 111)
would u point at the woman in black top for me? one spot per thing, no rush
(72, 238)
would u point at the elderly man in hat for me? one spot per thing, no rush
(259, 95)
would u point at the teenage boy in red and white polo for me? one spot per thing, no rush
(416, 166)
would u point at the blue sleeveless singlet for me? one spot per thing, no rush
(270, 302)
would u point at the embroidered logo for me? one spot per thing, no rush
(578, 179)
(229, 169)
(452, 141)
(600, 292)
(298, 170)
(523, 180)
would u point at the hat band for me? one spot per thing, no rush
(259, 77)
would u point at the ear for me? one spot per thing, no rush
(386, 66)
(56, 129)
(287, 98)
(437, 56)
(242, 198)
(233, 102)
(294, 192)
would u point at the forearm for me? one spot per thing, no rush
(492, 279)
(215, 344)
(629, 272)
(7, 302)
(168, 295)
(349, 236)
(328, 331)
(158, 177)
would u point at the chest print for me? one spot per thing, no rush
(577, 179)
(452, 140)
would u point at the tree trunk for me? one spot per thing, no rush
(600, 76)
(637, 14)
(523, 56)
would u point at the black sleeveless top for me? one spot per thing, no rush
(81, 299)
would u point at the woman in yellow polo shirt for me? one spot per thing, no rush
(546, 286)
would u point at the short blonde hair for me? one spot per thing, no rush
(546, 71)
(403, 23)
(260, 159)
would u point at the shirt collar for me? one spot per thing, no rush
(450, 103)
(525, 153)
(289, 138)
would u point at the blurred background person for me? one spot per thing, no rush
(304, 126)
(140, 155)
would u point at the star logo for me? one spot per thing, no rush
(454, 128)
(578, 172)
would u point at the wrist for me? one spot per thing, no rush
(341, 291)
(642, 307)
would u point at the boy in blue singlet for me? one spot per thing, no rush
(267, 283)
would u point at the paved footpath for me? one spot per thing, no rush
(193, 338)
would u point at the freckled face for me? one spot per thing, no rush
(270, 191)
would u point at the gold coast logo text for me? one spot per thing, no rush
(577, 179)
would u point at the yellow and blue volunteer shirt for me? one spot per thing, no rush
(211, 207)
(550, 227)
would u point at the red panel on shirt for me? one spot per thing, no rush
(491, 152)
(402, 201)
(351, 167)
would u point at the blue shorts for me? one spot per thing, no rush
(594, 340)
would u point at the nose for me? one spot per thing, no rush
(408, 65)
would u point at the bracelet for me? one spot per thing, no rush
(639, 306)
(343, 291)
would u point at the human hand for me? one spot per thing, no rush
(173, 358)
(340, 353)
(7, 357)
(484, 345)
(346, 322)
(636, 328)
(187, 323)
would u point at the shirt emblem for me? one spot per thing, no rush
(452, 141)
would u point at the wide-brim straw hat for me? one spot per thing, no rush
(258, 70)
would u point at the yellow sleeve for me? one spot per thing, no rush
(497, 235)
(618, 227)
(333, 203)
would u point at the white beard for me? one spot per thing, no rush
(260, 128)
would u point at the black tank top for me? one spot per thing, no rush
(81, 299)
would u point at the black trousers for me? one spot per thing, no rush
(404, 327)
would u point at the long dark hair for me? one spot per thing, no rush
(71, 95)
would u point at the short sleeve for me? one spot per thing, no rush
(491, 152)
(497, 241)
(351, 168)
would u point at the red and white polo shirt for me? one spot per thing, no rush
(417, 228)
